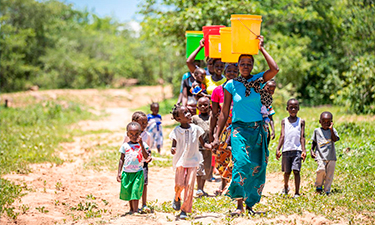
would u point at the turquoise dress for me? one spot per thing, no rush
(249, 144)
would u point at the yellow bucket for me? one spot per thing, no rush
(226, 46)
(244, 31)
(214, 46)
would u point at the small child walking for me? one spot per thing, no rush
(154, 126)
(141, 118)
(186, 159)
(203, 121)
(130, 167)
(323, 150)
(292, 139)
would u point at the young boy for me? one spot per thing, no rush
(130, 167)
(292, 139)
(154, 126)
(186, 159)
(203, 121)
(323, 150)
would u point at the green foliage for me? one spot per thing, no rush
(9, 192)
(165, 107)
(49, 44)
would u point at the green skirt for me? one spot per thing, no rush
(250, 158)
(132, 186)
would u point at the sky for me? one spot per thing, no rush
(122, 10)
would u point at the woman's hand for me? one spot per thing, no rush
(261, 41)
(201, 42)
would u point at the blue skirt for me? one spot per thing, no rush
(250, 158)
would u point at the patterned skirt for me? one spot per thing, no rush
(250, 158)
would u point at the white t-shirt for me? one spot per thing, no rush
(133, 161)
(187, 148)
(292, 139)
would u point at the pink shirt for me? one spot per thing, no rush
(218, 94)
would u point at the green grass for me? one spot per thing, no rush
(31, 135)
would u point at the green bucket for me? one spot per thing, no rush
(192, 42)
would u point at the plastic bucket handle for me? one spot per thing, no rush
(247, 27)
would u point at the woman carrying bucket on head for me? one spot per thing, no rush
(249, 132)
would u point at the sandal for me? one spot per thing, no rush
(236, 213)
(252, 212)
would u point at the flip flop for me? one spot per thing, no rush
(236, 213)
(252, 212)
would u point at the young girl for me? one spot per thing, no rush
(193, 88)
(223, 154)
(186, 159)
(141, 118)
(154, 126)
(130, 167)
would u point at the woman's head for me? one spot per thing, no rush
(218, 67)
(245, 64)
(210, 65)
(231, 71)
(199, 75)
(141, 118)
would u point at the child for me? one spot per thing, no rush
(193, 88)
(323, 150)
(130, 167)
(270, 87)
(154, 126)
(141, 118)
(292, 139)
(186, 158)
(203, 121)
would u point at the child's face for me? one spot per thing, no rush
(203, 105)
(184, 115)
(155, 109)
(210, 65)
(218, 67)
(231, 72)
(143, 122)
(293, 108)
(133, 133)
(270, 88)
(199, 76)
(325, 120)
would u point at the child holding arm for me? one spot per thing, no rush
(185, 148)
(323, 150)
(130, 168)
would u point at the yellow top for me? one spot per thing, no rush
(211, 84)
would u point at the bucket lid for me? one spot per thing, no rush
(225, 30)
(212, 27)
(214, 37)
(194, 34)
(245, 17)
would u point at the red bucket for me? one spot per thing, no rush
(209, 30)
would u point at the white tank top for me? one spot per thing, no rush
(292, 139)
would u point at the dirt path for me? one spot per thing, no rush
(72, 193)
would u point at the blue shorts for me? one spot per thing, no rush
(291, 161)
